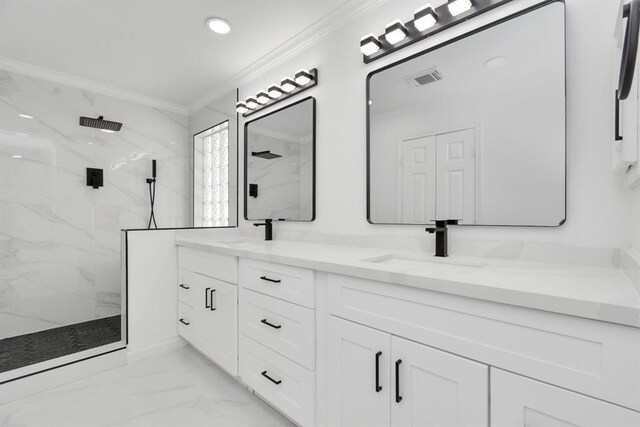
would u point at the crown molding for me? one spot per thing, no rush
(302, 41)
(35, 71)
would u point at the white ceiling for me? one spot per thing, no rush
(159, 48)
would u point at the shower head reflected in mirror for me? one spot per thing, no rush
(100, 123)
(265, 155)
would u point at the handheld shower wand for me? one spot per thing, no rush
(152, 195)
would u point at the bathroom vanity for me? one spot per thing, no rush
(338, 335)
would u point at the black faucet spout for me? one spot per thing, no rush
(442, 236)
(268, 228)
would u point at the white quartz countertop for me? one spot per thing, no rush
(604, 294)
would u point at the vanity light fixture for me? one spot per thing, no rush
(303, 79)
(263, 98)
(426, 22)
(288, 84)
(395, 32)
(241, 108)
(275, 91)
(456, 7)
(369, 44)
(252, 103)
(425, 18)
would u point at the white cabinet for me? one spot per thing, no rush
(359, 375)
(376, 379)
(208, 307)
(518, 402)
(437, 388)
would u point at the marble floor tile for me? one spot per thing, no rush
(180, 388)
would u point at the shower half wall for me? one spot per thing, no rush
(59, 238)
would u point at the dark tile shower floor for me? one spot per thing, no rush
(24, 350)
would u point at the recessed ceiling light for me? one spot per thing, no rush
(107, 130)
(219, 25)
(25, 116)
(495, 62)
(16, 156)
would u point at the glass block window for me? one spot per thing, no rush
(215, 202)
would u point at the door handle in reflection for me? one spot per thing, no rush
(184, 322)
(270, 280)
(264, 374)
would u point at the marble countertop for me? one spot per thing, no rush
(598, 293)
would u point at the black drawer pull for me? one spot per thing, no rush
(398, 397)
(207, 304)
(211, 299)
(270, 280)
(270, 324)
(184, 323)
(378, 387)
(264, 374)
(183, 286)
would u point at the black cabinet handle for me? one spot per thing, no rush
(270, 324)
(398, 397)
(184, 323)
(264, 374)
(378, 387)
(183, 286)
(270, 280)
(211, 299)
(207, 304)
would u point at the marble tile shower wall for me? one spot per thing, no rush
(59, 239)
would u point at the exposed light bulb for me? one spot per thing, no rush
(456, 7)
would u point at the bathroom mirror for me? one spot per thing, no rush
(473, 129)
(279, 156)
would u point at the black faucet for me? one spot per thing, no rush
(441, 235)
(268, 228)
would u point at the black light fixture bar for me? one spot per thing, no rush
(444, 21)
(286, 95)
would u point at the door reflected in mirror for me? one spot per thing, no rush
(280, 164)
(473, 130)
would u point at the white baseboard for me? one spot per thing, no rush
(55, 377)
(135, 354)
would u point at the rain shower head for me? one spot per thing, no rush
(100, 123)
(265, 155)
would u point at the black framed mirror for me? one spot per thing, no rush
(456, 131)
(280, 164)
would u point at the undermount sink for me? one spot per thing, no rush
(413, 262)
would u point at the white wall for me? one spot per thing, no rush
(599, 209)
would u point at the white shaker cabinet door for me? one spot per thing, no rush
(434, 388)
(518, 402)
(359, 377)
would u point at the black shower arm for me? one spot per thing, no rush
(631, 11)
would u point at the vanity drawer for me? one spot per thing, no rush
(186, 287)
(185, 321)
(594, 358)
(286, 328)
(292, 284)
(217, 266)
(285, 384)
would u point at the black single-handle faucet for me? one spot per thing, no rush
(268, 228)
(441, 235)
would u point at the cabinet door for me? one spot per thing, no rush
(518, 402)
(359, 377)
(435, 388)
(216, 331)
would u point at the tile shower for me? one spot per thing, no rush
(60, 239)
